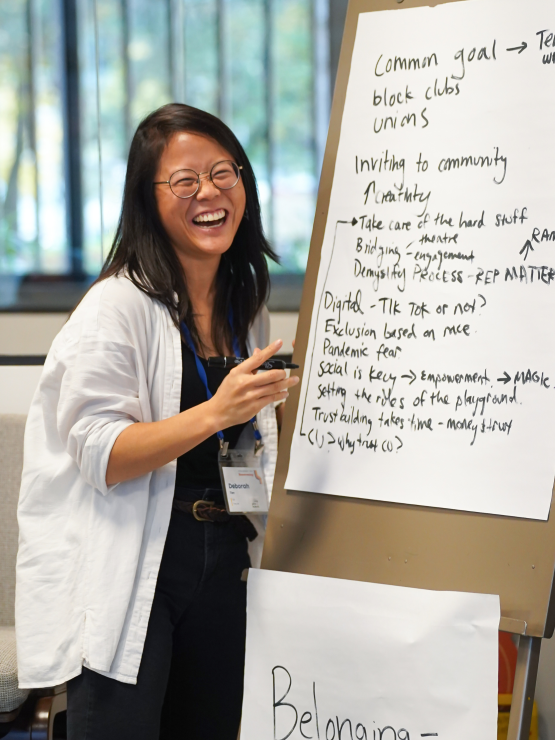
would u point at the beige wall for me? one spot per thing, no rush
(28, 333)
(17, 385)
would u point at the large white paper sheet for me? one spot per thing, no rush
(430, 372)
(329, 659)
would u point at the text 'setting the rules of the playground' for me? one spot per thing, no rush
(430, 372)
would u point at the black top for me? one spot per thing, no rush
(199, 466)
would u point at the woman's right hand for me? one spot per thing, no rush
(244, 391)
(146, 446)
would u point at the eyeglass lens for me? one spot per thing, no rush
(185, 183)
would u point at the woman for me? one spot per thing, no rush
(121, 591)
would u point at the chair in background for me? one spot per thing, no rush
(38, 714)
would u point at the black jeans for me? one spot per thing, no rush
(190, 682)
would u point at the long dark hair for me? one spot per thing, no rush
(142, 249)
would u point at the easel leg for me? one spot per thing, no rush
(524, 688)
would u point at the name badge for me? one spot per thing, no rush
(243, 483)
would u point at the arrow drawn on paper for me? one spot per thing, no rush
(520, 48)
(528, 247)
(505, 379)
(412, 376)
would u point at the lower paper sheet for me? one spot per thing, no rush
(329, 659)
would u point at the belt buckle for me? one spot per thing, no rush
(196, 514)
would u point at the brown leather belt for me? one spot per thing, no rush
(208, 511)
(203, 511)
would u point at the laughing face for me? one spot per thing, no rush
(203, 226)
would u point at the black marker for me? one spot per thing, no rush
(272, 364)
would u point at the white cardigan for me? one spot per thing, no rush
(89, 553)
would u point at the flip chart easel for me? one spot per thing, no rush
(405, 545)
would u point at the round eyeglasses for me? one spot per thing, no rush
(185, 183)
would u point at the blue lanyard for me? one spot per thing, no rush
(202, 375)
